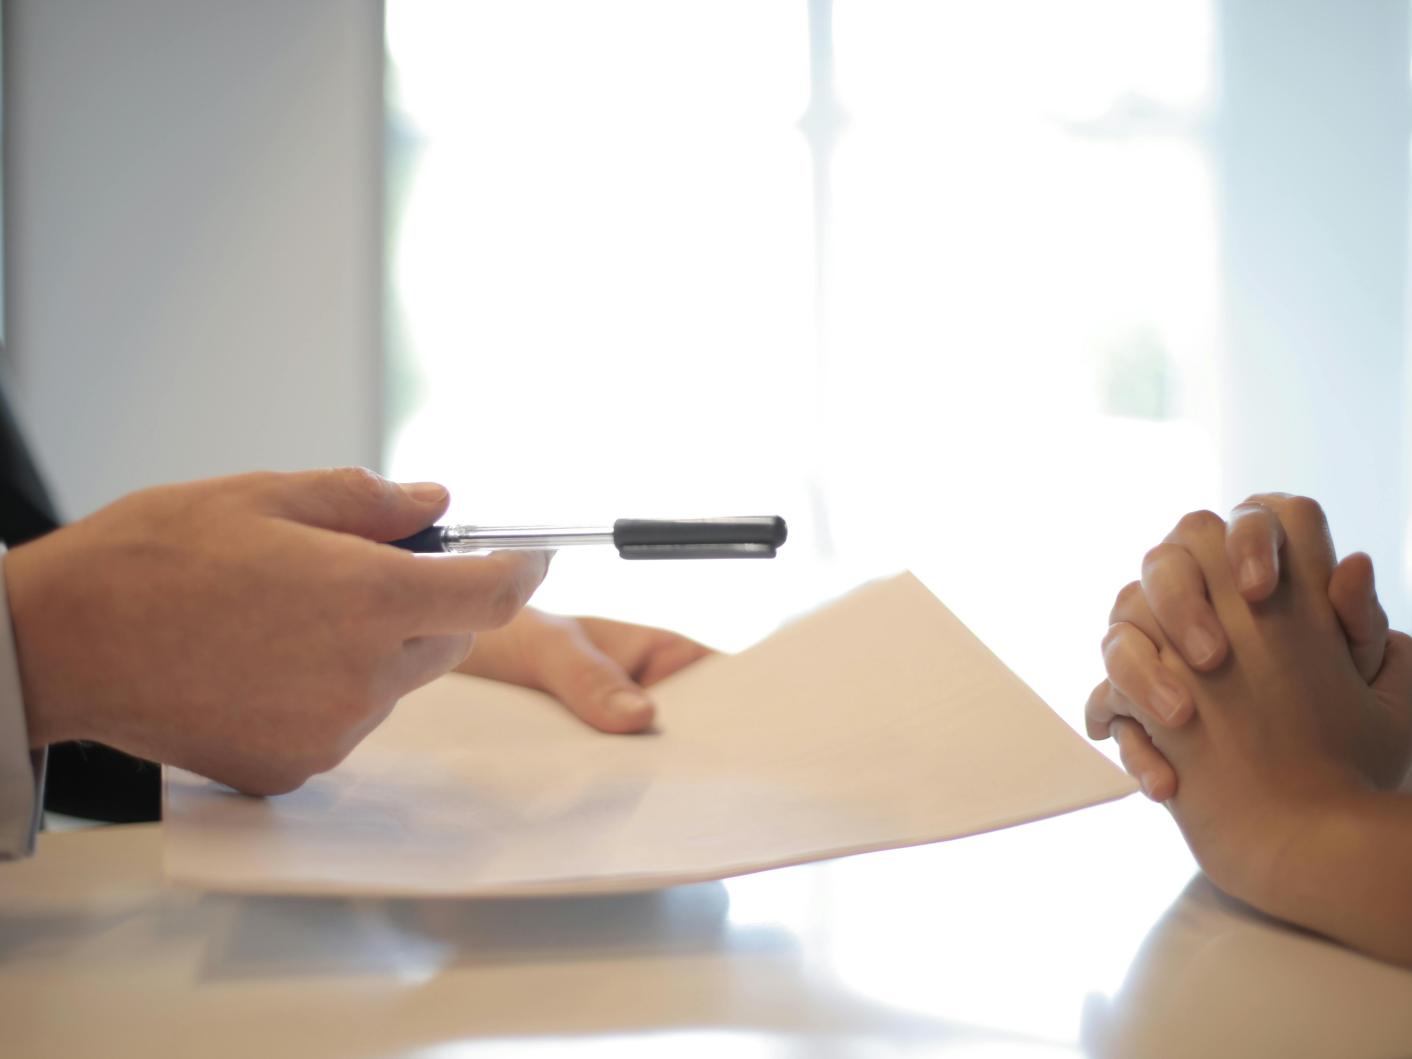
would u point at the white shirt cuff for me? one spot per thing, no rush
(21, 770)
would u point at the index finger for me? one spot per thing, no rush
(1254, 537)
(1355, 602)
(1175, 588)
(467, 593)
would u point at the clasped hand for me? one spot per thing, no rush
(1253, 685)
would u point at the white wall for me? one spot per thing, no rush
(1313, 167)
(195, 236)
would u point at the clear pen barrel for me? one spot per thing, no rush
(523, 538)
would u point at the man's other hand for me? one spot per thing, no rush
(595, 667)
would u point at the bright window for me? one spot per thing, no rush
(925, 299)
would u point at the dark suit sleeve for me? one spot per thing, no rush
(84, 779)
(25, 509)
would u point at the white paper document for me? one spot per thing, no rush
(878, 721)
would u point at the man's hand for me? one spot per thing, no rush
(247, 628)
(595, 667)
(1174, 589)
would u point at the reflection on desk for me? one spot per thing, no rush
(1081, 935)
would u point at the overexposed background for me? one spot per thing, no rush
(995, 291)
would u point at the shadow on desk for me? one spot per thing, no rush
(298, 936)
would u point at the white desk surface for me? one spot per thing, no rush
(1084, 935)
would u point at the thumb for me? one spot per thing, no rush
(1394, 680)
(358, 501)
(1355, 601)
(595, 688)
(1389, 741)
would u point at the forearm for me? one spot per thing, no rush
(1350, 877)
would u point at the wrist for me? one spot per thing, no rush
(31, 602)
(1309, 880)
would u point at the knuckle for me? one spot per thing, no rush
(360, 483)
(1196, 524)
(1129, 671)
(504, 603)
(1249, 518)
(1303, 512)
(1127, 593)
(1269, 500)
(1113, 638)
(1160, 555)
(1258, 504)
(1098, 710)
(1124, 667)
(1303, 505)
(1128, 597)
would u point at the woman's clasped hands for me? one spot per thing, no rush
(1254, 687)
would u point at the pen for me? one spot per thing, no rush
(752, 537)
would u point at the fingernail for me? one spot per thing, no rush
(1201, 646)
(1252, 574)
(1169, 700)
(425, 492)
(628, 702)
(1147, 781)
